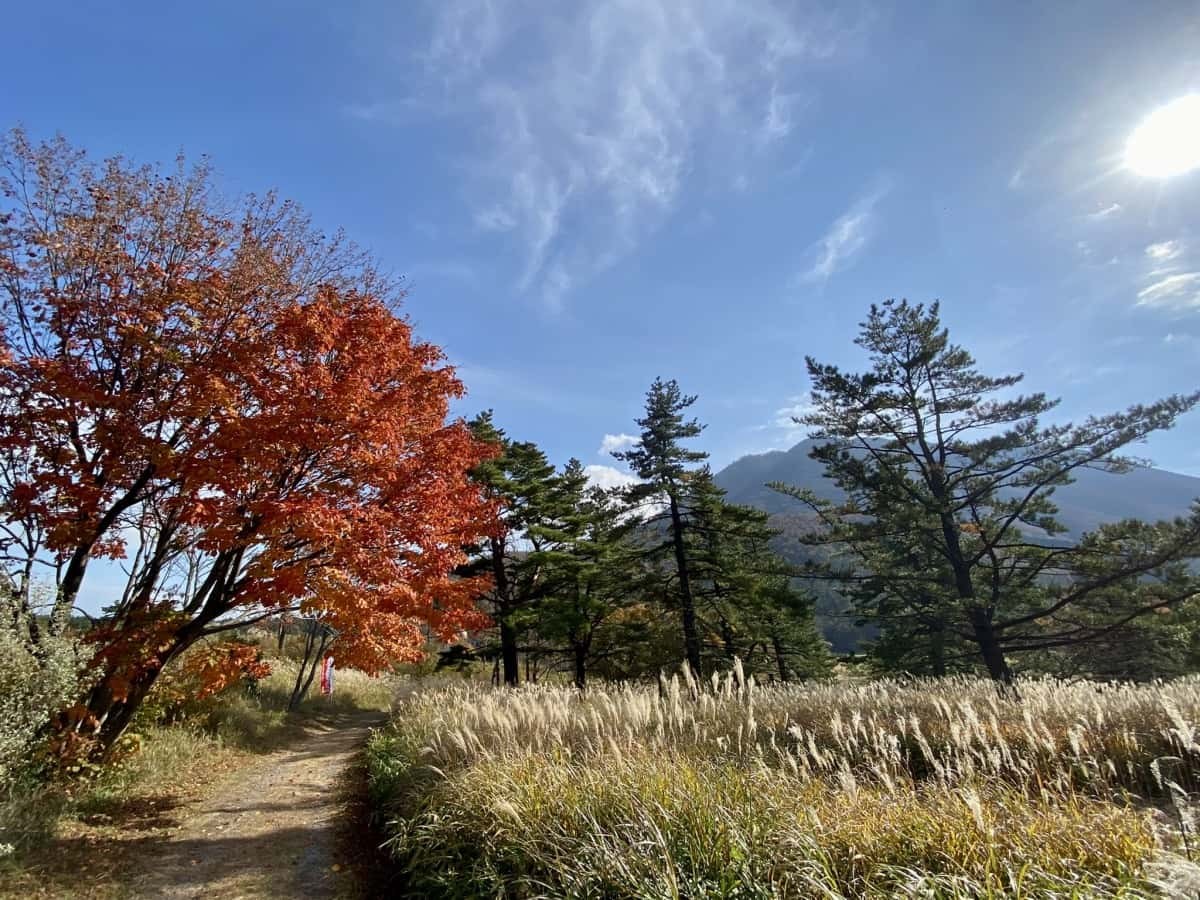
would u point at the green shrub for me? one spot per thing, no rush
(35, 683)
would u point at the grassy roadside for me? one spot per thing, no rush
(99, 825)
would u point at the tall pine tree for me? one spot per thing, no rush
(949, 483)
(746, 599)
(665, 467)
(523, 483)
(592, 567)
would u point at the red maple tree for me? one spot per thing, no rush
(228, 402)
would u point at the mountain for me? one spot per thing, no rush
(745, 480)
(1094, 498)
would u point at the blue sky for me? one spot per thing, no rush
(585, 195)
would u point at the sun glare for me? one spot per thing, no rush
(1167, 142)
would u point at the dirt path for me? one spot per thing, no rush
(282, 827)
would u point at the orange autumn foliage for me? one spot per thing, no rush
(219, 667)
(228, 401)
(210, 670)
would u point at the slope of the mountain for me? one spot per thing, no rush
(745, 480)
(1094, 497)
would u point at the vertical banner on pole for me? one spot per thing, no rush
(327, 676)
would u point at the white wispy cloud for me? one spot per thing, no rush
(798, 408)
(783, 426)
(845, 239)
(441, 270)
(593, 115)
(612, 442)
(1084, 374)
(1031, 160)
(495, 218)
(778, 119)
(608, 477)
(397, 111)
(1105, 212)
(1180, 291)
(1164, 251)
(466, 34)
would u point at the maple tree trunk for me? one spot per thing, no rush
(113, 714)
(72, 579)
(116, 697)
(691, 638)
(508, 654)
(308, 665)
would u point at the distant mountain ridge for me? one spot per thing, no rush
(1095, 497)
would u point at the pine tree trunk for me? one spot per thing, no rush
(981, 619)
(691, 637)
(937, 650)
(580, 666)
(508, 654)
(989, 646)
(780, 659)
(508, 635)
(727, 640)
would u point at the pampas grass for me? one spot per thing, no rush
(732, 789)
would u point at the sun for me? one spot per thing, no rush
(1168, 140)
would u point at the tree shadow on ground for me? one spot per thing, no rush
(132, 847)
(360, 839)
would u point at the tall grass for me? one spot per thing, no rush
(728, 789)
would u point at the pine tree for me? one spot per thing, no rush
(949, 486)
(745, 594)
(664, 465)
(591, 566)
(901, 587)
(523, 482)
(1136, 624)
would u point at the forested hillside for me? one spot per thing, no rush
(1093, 499)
